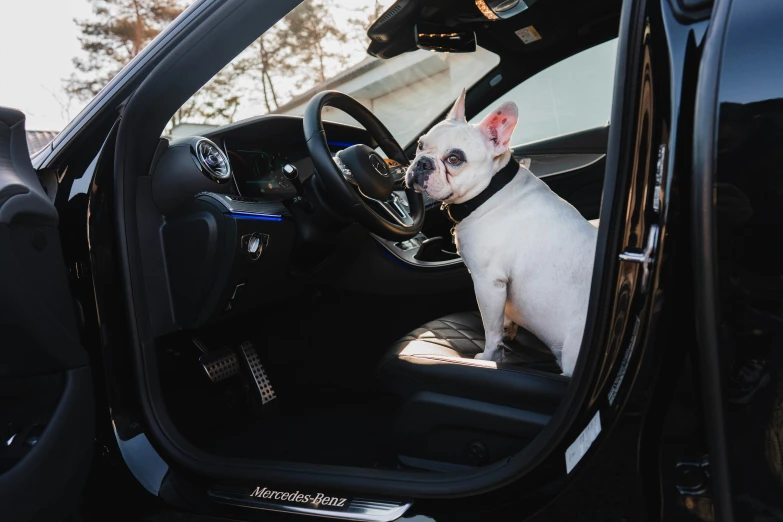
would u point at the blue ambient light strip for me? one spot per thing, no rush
(257, 217)
(340, 144)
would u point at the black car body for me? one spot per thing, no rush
(686, 184)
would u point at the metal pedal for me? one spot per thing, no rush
(220, 364)
(260, 387)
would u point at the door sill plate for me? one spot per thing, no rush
(291, 500)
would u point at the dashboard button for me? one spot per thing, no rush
(255, 246)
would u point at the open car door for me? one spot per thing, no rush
(46, 399)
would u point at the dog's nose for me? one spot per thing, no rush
(425, 164)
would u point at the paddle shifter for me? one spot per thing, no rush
(291, 173)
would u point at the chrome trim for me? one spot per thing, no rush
(216, 174)
(392, 207)
(407, 256)
(356, 509)
(254, 247)
(252, 208)
(645, 257)
(505, 5)
(254, 253)
(379, 165)
(394, 203)
(347, 174)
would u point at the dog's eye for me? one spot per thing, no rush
(453, 159)
(421, 146)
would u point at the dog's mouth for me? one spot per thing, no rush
(442, 199)
(412, 183)
(415, 186)
(422, 190)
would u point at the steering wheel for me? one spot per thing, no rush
(357, 176)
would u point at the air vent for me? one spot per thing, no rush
(212, 162)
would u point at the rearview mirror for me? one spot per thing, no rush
(444, 39)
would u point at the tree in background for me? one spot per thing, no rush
(320, 40)
(308, 46)
(267, 58)
(119, 30)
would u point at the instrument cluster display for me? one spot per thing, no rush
(259, 172)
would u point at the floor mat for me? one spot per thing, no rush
(319, 352)
(328, 432)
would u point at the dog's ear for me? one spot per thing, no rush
(458, 109)
(499, 125)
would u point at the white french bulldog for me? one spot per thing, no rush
(529, 252)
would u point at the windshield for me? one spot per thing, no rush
(321, 45)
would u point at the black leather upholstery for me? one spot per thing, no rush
(438, 357)
(21, 195)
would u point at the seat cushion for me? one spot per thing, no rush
(439, 357)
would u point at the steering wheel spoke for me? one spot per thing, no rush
(395, 207)
(347, 174)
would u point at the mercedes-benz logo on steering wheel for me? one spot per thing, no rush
(379, 166)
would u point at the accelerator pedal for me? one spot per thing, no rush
(255, 377)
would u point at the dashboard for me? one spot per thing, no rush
(258, 150)
(258, 166)
(232, 230)
(222, 207)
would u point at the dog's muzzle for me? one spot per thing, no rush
(420, 172)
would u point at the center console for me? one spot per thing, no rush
(422, 251)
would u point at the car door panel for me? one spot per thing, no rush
(46, 398)
(572, 165)
(586, 141)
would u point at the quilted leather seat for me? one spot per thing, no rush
(438, 357)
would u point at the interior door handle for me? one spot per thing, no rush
(645, 257)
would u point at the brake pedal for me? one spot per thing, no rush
(220, 364)
(259, 385)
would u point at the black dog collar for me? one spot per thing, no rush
(459, 211)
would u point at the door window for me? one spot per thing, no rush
(572, 95)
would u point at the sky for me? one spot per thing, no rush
(35, 55)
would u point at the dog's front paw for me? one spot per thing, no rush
(490, 355)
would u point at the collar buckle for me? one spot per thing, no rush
(446, 207)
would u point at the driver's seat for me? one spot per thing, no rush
(453, 403)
